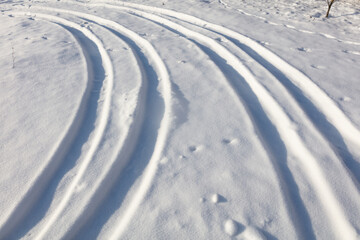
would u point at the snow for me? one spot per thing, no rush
(196, 119)
(231, 227)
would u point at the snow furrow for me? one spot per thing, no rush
(284, 125)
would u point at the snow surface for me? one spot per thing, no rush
(196, 119)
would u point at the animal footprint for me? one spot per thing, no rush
(345, 99)
(318, 67)
(217, 198)
(302, 49)
(194, 148)
(227, 141)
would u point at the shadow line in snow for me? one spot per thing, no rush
(328, 131)
(45, 196)
(121, 183)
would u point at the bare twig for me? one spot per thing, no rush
(329, 3)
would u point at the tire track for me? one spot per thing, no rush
(102, 124)
(163, 78)
(59, 152)
(322, 125)
(279, 118)
(262, 125)
(273, 157)
(99, 130)
(101, 127)
(309, 89)
(126, 147)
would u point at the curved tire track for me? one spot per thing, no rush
(122, 154)
(308, 88)
(266, 131)
(323, 126)
(278, 117)
(58, 154)
(101, 126)
(340, 140)
(163, 76)
(99, 130)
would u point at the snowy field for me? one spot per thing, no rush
(171, 119)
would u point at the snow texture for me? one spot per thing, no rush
(196, 119)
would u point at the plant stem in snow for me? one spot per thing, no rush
(330, 3)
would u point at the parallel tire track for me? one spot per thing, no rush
(120, 158)
(322, 126)
(102, 124)
(58, 154)
(295, 214)
(165, 122)
(117, 234)
(291, 139)
(311, 114)
(276, 115)
(308, 88)
(98, 133)
(340, 140)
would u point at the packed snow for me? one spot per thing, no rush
(194, 119)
